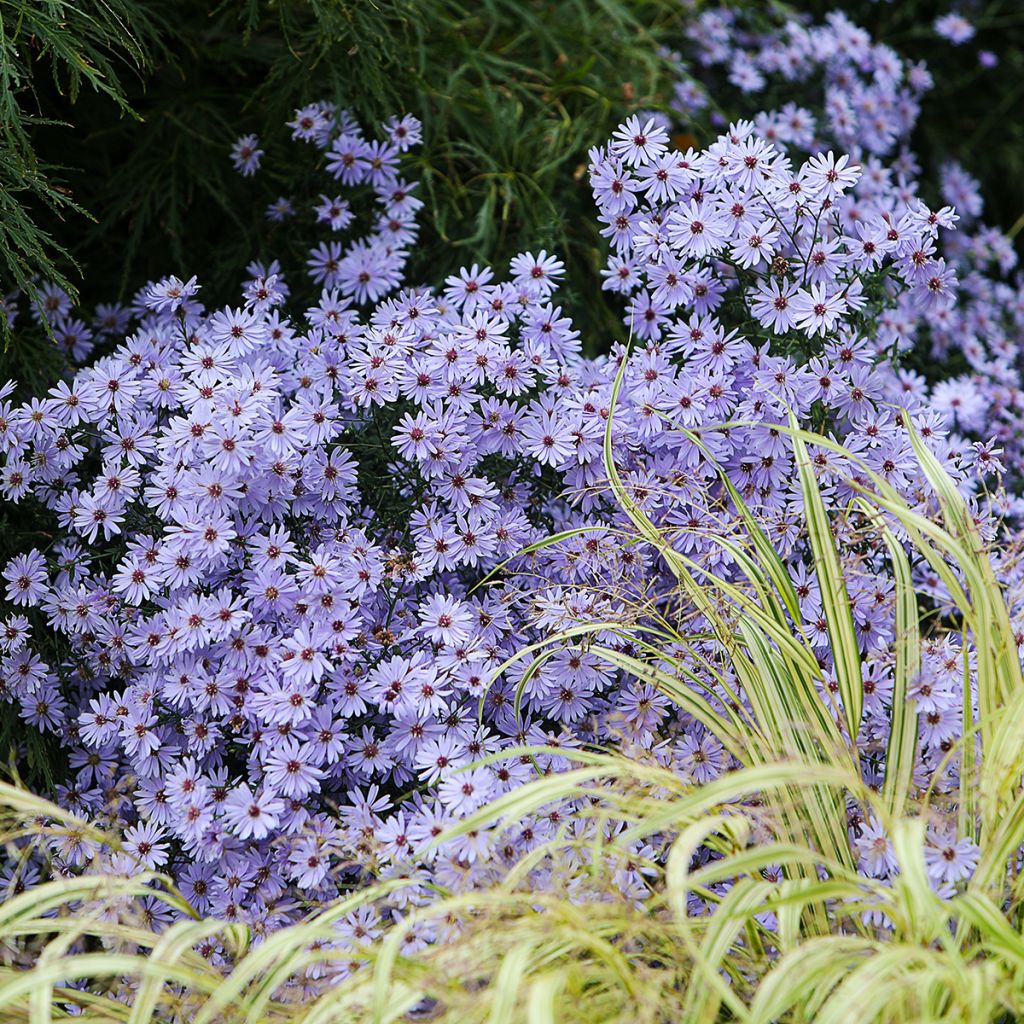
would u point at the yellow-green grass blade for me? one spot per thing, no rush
(806, 977)
(901, 749)
(677, 887)
(924, 916)
(92, 966)
(995, 934)
(998, 846)
(775, 777)
(283, 944)
(508, 985)
(998, 663)
(175, 944)
(49, 896)
(968, 823)
(835, 600)
(542, 998)
(728, 733)
(772, 563)
(894, 984)
(823, 810)
(704, 1001)
(1003, 765)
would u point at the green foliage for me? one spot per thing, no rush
(512, 94)
(57, 47)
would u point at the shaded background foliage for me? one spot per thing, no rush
(511, 94)
(116, 117)
(972, 113)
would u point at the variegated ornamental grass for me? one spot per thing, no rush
(815, 940)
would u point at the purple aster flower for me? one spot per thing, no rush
(948, 859)
(336, 212)
(148, 843)
(170, 294)
(816, 311)
(638, 144)
(463, 792)
(445, 620)
(26, 578)
(246, 155)
(954, 27)
(251, 815)
(404, 132)
(773, 305)
(876, 855)
(290, 769)
(698, 230)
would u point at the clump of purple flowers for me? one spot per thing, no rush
(259, 630)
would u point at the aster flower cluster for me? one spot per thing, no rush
(862, 97)
(268, 529)
(813, 261)
(262, 601)
(867, 104)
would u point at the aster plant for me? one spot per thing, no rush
(322, 580)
